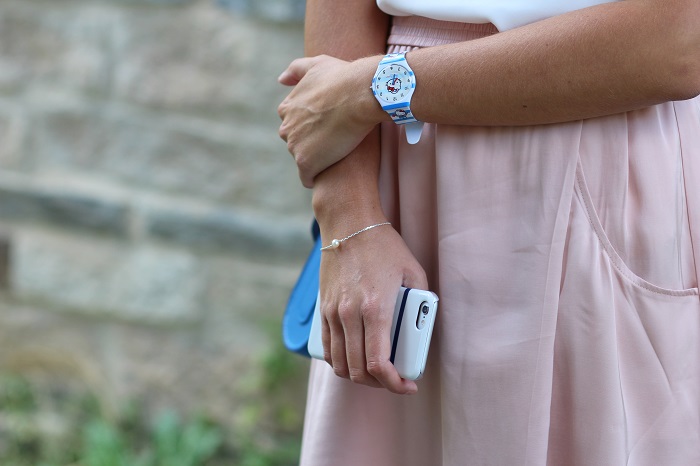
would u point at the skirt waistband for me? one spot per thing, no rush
(416, 31)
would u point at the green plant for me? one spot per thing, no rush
(273, 408)
(104, 446)
(284, 454)
(87, 438)
(15, 394)
(53, 421)
(184, 445)
(171, 444)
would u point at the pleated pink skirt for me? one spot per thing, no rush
(566, 259)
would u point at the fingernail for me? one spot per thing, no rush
(282, 76)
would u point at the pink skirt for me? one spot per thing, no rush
(566, 259)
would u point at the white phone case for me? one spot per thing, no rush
(411, 331)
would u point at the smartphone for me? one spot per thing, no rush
(411, 331)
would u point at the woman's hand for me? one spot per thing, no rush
(328, 113)
(359, 283)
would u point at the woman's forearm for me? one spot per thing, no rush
(346, 194)
(358, 282)
(597, 61)
(347, 30)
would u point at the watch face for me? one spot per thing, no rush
(394, 84)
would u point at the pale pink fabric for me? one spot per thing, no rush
(568, 329)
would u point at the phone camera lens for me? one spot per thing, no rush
(425, 309)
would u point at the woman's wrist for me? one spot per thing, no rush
(348, 218)
(346, 201)
(367, 110)
(340, 203)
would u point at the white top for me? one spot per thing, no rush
(504, 14)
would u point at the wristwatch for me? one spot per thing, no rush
(393, 85)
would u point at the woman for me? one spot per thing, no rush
(550, 202)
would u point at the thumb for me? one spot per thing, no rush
(296, 71)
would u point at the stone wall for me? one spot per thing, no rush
(151, 221)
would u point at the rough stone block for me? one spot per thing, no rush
(29, 201)
(165, 366)
(253, 236)
(245, 301)
(211, 61)
(5, 242)
(193, 56)
(13, 135)
(103, 278)
(194, 157)
(60, 44)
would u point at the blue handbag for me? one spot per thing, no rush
(299, 313)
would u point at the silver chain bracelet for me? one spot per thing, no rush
(336, 242)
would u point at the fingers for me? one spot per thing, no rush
(342, 335)
(283, 132)
(378, 352)
(356, 344)
(326, 340)
(297, 70)
(333, 338)
(336, 348)
(313, 125)
(351, 319)
(306, 175)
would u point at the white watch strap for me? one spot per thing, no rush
(413, 131)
